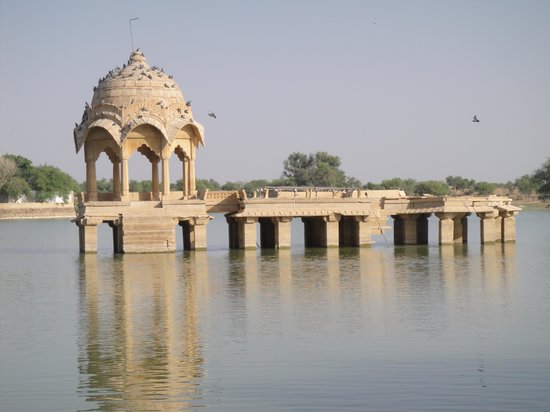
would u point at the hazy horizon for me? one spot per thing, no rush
(389, 87)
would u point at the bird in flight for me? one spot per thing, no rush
(475, 119)
(212, 114)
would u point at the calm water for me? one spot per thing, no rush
(379, 329)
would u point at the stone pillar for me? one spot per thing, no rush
(198, 234)
(116, 179)
(487, 226)
(332, 231)
(125, 180)
(464, 221)
(498, 228)
(184, 177)
(446, 228)
(247, 232)
(165, 176)
(422, 229)
(458, 228)
(364, 232)
(267, 232)
(87, 231)
(91, 180)
(410, 234)
(233, 232)
(192, 186)
(155, 178)
(508, 226)
(282, 232)
(398, 230)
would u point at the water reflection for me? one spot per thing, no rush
(139, 344)
(141, 336)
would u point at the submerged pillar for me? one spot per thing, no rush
(487, 226)
(87, 234)
(363, 234)
(410, 233)
(282, 232)
(398, 230)
(508, 226)
(446, 228)
(331, 231)
(197, 235)
(242, 232)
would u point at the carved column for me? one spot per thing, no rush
(91, 180)
(165, 176)
(116, 179)
(125, 180)
(192, 187)
(155, 178)
(184, 177)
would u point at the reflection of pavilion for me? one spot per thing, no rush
(140, 347)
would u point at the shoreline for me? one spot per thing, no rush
(20, 211)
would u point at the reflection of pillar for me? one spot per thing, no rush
(155, 178)
(116, 179)
(192, 187)
(125, 181)
(91, 183)
(165, 176)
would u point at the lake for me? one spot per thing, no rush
(385, 328)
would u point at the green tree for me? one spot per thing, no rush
(396, 183)
(526, 185)
(432, 187)
(460, 185)
(140, 186)
(319, 169)
(15, 188)
(49, 181)
(485, 188)
(8, 169)
(104, 185)
(542, 178)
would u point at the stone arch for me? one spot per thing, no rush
(145, 119)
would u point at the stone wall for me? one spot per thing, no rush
(36, 211)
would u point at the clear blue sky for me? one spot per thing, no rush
(388, 86)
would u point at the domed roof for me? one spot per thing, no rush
(133, 95)
(137, 80)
